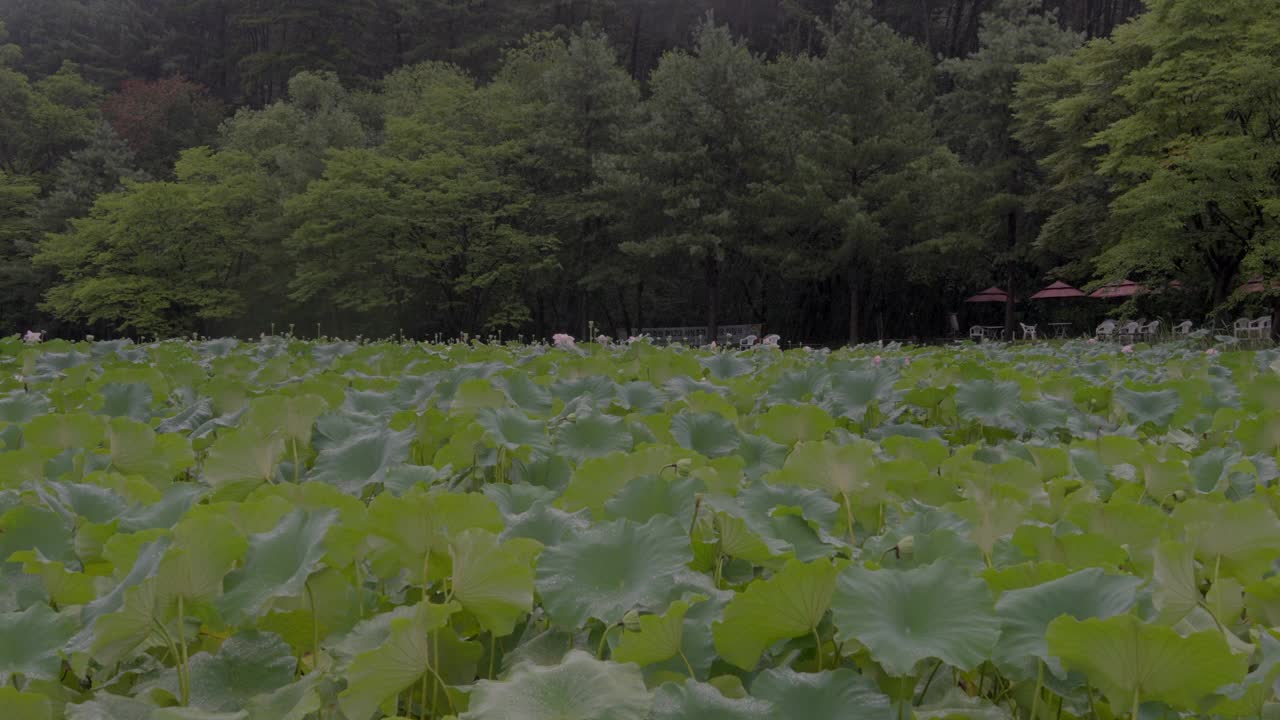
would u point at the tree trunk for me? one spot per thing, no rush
(711, 271)
(855, 310)
(1008, 303)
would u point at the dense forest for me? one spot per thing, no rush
(833, 169)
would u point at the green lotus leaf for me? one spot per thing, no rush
(25, 705)
(292, 418)
(666, 493)
(408, 653)
(611, 568)
(990, 403)
(129, 400)
(597, 479)
(760, 455)
(1243, 537)
(188, 713)
(956, 705)
(905, 616)
(27, 527)
(527, 512)
(706, 433)
(137, 450)
(725, 365)
(790, 604)
(493, 580)
(579, 688)
(692, 699)
(1026, 613)
(30, 642)
(22, 407)
(846, 470)
(789, 424)
(247, 665)
(404, 529)
(277, 564)
(205, 548)
(1156, 407)
(850, 393)
(243, 455)
(1249, 697)
(798, 386)
(657, 638)
(640, 396)
(117, 634)
(295, 701)
(1133, 662)
(829, 695)
(105, 706)
(513, 430)
(63, 586)
(361, 460)
(64, 432)
(593, 435)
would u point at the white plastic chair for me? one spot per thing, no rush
(1128, 331)
(1183, 328)
(771, 341)
(1149, 330)
(747, 341)
(1260, 328)
(976, 333)
(1028, 331)
(1241, 327)
(1106, 330)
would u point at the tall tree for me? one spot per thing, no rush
(698, 155)
(165, 258)
(978, 114)
(102, 166)
(430, 227)
(290, 137)
(41, 121)
(1195, 161)
(856, 120)
(19, 285)
(579, 106)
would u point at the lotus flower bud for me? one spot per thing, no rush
(907, 546)
(684, 465)
(631, 621)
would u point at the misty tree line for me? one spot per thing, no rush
(832, 170)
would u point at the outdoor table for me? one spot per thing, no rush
(1060, 329)
(993, 331)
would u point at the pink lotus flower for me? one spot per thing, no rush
(604, 339)
(906, 361)
(561, 340)
(1211, 352)
(32, 337)
(1126, 349)
(876, 361)
(1092, 341)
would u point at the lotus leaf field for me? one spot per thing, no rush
(289, 530)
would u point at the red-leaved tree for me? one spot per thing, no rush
(160, 118)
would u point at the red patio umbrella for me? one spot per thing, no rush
(1257, 285)
(1056, 291)
(991, 295)
(1121, 289)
